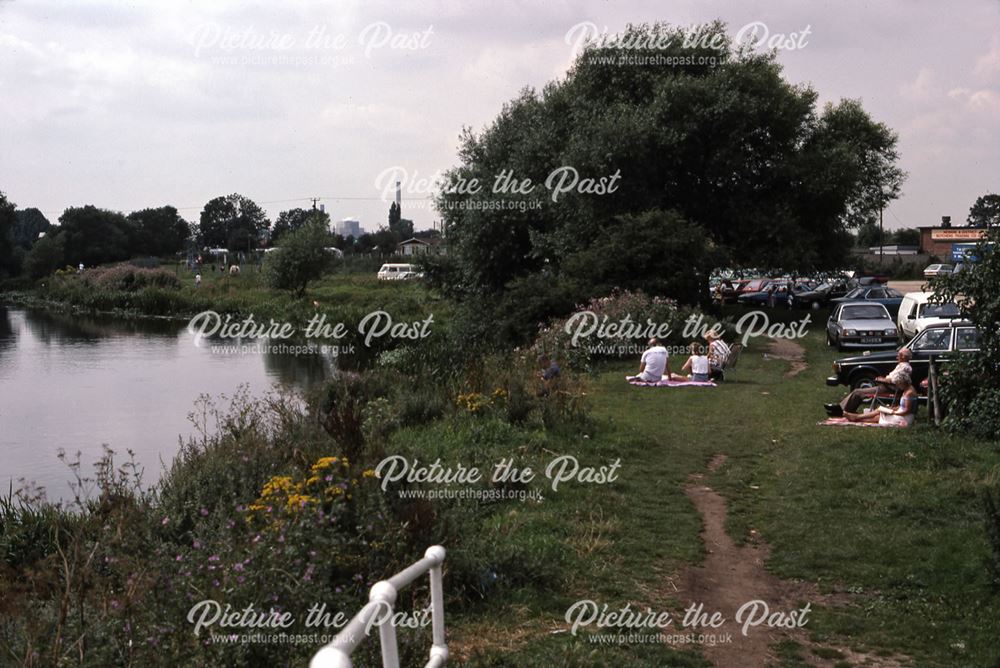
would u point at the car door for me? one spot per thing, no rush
(832, 329)
(933, 342)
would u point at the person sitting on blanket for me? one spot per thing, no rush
(654, 365)
(697, 364)
(901, 415)
(718, 353)
(853, 401)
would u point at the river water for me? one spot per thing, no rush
(75, 382)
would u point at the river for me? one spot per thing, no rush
(76, 382)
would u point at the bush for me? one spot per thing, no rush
(301, 257)
(128, 278)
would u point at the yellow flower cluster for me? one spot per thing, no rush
(283, 493)
(475, 402)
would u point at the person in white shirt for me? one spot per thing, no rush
(853, 401)
(697, 364)
(654, 364)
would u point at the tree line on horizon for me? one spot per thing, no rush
(32, 246)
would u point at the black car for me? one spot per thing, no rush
(820, 295)
(937, 341)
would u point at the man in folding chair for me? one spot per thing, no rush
(884, 389)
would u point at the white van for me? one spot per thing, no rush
(915, 314)
(398, 272)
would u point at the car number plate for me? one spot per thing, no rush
(871, 339)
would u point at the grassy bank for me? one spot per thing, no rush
(889, 520)
(346, 290)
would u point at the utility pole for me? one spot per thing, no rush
(881, 236)
(314, 200)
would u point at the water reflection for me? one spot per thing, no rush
(73, 382)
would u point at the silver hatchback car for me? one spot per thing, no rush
(861, 325)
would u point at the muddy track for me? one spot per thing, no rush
(732, 575)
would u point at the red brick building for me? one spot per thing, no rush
(938, 240)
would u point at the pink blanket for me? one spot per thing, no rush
(672, 383)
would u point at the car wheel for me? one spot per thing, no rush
(863, 380)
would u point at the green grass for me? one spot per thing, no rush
(891, 518)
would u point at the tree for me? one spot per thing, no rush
(386, 241)
(870, 236)
(402, 227)
(93, 236)
(8, 221)
(30, 223)
(234, 221)
(301, 257)
(985, 212)
(294, 219)
(47, 255)
(732, 148)
(394, 215)
(159, 232)
(971, 388)
(907, 236)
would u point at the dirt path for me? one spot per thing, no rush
(788, 350)
(733, 575)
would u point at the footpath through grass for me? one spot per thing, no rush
(891, 519)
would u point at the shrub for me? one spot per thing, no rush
(127, 278)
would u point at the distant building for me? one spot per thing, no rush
(940, 240)
(893, 250)
(414, 246)
(348, 227)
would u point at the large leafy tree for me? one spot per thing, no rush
(733, 148)
(160, 231)
(233, 221)
(8, 220)
(985, 212)
(294, 219)
(47, 255)
(94, 236)
(301, 257)
(30, 223)
(971, 387)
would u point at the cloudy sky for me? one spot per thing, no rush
(132, 104)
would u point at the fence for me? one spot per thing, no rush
(382, 597)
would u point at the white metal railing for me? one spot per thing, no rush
(382, 598)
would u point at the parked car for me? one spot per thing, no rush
(398, 272)
(877, 294)
(937, 341)
(755, 285)
(818, 296)
(937, 270)
(916, 314)
(762, 297)
(861, 325)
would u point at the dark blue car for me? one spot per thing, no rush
(877, 294)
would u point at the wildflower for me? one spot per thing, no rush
(369, 473)
(165, 521)
(204, 512)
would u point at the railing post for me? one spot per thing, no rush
(384, 594)
(439, 649)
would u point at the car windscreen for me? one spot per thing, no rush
(938, 311)
(864, 313)
(856, 292)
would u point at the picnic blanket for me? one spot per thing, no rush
(844, 422)
(671, 383)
